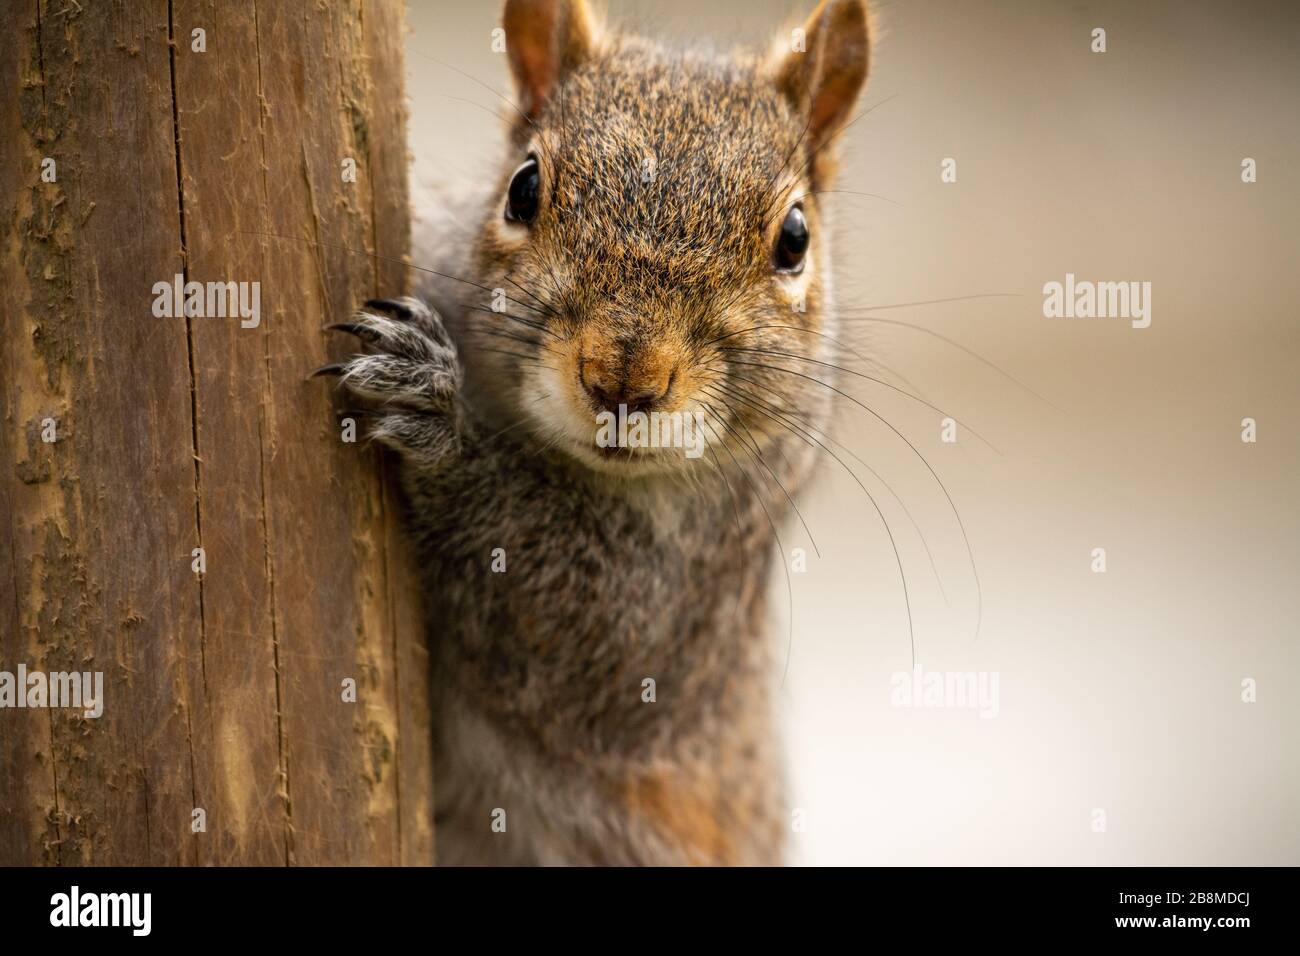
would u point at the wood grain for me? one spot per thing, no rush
(222, 691)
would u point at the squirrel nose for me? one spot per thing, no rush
(608, 390)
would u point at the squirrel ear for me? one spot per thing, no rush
(545, 40)
(824, 64)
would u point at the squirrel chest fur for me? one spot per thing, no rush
(603, 669)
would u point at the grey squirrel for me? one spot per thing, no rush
(603, 676)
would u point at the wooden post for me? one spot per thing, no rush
(215, 141)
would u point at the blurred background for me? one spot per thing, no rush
(1121, 691)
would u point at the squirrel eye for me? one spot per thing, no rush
(525, 190)
(792, 244)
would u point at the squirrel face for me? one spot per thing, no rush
(657, 219)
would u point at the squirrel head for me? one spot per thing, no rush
(658, 220)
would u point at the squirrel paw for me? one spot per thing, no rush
(413, 375)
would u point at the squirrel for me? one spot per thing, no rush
(603, 675)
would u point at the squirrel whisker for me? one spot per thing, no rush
(806, 434)
(862, 375)
(536, 326)
(757, 456)
(979, 592)
(957, 345)
(789, 587)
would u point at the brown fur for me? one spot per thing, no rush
(645, 564)
(688, 813)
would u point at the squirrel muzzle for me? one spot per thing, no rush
(630, 370)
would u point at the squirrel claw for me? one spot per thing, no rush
(391, 306)
(410, 371)
(333, 368)
(352, 328)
